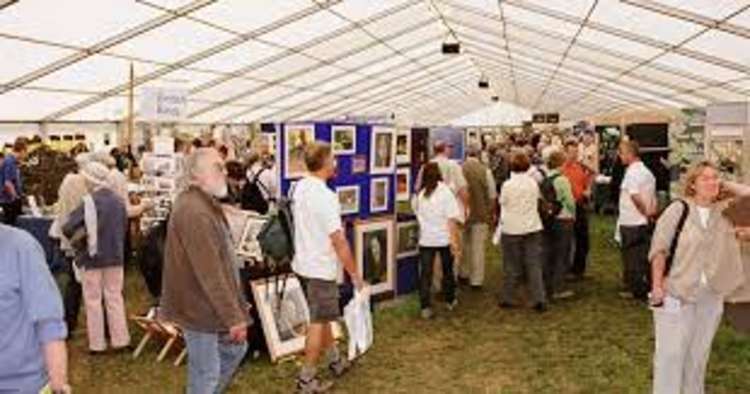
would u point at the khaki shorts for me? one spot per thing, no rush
(322, 299)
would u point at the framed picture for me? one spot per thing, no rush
(403, 147)
(344, 140)
(159, 165)
(374, 249)
(359, 164)
(383, 151)
(379, 194)
(403, 184)
(247, 245)
(407, 239)
(296, 139)
(348, 199)
(285, 319)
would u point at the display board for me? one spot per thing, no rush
(362, 192)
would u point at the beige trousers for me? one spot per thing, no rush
(472, 268)
(683, 343)
(105, 284)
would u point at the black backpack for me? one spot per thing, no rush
(252, 198)
(549, 206)
(276, 237)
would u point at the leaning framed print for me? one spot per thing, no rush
(403, 146)
(382, 151)
(374, 251)
(344, 140)
(296, 139)
(284, 315)
(379, 194)
(348, 199)
(407, 239)
(403, 184)
(247, 245)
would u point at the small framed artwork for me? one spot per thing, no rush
(407, 239)
(403, 184)
(296, 139)
(383, 151)
(285, 319)
(403, 147)
(359, 164)
(379, 194)
(348, 199)
(374, 249)
(344, 140)
(159, 165)
(248, 246)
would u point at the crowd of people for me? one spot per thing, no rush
(532, 197)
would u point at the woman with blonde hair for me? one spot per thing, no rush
(695, 262)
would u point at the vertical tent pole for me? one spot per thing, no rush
(131, 114)
(745, 164)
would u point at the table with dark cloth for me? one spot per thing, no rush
(39, 228)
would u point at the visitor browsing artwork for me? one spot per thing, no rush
(379, 194)
(383, 151)
(403, 146)
(403, 184)
(344, 140)
(407, 236)
(348, 199)
(374, 249)
(284, 315)
(296, 139)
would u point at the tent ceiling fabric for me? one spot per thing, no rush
(247, 61)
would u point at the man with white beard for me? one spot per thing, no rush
(201, 288)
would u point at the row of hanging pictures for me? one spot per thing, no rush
(384, 148)
(387, 148)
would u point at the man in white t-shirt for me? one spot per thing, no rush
(320, 245)
(637, 210)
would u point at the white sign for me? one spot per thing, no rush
(163, 104)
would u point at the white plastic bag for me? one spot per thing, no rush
(359, 323)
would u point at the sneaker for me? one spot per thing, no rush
(540, 307)
(340, 368)
(477, 288)
(453, 305)
(463, 281)
(427, 313)
(312, 386)
(563, 295)
(625, 295)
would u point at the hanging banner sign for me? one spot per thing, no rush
(163, 104)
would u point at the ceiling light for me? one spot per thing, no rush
(451, 48)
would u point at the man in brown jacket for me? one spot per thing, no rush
(482, 195)
(201, 289)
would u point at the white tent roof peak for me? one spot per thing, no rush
(495, 114)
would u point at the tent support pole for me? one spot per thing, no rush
(131, 115)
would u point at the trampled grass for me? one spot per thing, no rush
(593, 343)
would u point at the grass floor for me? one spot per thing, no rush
(594, 343)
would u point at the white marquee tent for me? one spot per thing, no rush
(256, 60)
